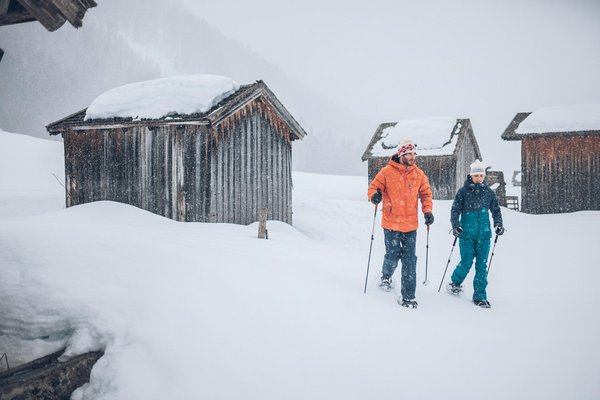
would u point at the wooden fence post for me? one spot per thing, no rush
(262, 224)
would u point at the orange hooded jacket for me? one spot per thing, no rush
(401, 187)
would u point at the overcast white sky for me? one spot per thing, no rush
(392, 60)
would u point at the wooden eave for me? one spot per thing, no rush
(367, 155)
(466, 129)
(52, 14)
(247, 94)
(75, 122)
(510, 131)
(216, 115)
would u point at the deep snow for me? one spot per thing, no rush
(191, 310)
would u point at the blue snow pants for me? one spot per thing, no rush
(401, 246)
(473, 249)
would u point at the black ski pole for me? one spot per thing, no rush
(453, 244)
(492, 256)
(371, 246)
(426, 282)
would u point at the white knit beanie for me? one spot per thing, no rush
(477, 168)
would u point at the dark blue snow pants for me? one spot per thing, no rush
(401, 246)
(473, 249)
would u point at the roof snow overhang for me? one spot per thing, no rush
(220, 112)
(461, 128)
(511, 134)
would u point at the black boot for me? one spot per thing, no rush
(482, 303)
(408, 303)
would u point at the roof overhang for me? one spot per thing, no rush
(215, 116)
(52, 14)
(510, 131)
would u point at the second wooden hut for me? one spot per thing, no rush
(445, 149)
(560, 158)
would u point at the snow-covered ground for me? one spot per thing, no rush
(207, 311)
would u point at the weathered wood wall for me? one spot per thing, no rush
(560, 174)
(374, 165)
(440, 171)
(497, 177)
(252, 161)
(153, 168)
(189, 172)
(465, 155)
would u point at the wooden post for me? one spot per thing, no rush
(262, 224)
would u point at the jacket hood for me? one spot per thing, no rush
(469, 184)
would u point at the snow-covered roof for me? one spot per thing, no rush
(572, 119)
(433, 137)
(562, 119)
(158, 98)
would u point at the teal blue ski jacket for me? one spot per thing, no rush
(470, 210)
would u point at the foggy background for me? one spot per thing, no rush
(341, 68)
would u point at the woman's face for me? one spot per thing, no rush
(477, 178)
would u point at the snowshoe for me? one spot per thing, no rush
(408, 303)
(454, 289)
(482, 303)
(386, 284)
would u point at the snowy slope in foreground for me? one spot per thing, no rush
(189, 310)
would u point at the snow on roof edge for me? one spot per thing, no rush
(433, 136)
(159, 98)
(571, 118)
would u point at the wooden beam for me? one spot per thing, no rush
(73, 10)
(15, 18)
(45, 12)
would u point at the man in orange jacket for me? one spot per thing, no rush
(400, 184)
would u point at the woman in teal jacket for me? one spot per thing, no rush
(471, 224)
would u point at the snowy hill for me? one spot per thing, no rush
(191, 310)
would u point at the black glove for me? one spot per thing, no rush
(499, 230)
(428, 218)
(457, 231)
(376, 198)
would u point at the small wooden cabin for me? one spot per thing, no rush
(220, 166)
(445, 150)
(560, 158)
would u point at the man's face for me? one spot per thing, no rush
(408, 159)
(477, 178)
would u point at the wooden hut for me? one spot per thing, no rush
(445, 149)
(560, 158)
(52, 14)
(222, 165)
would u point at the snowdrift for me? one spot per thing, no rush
(190, 310)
